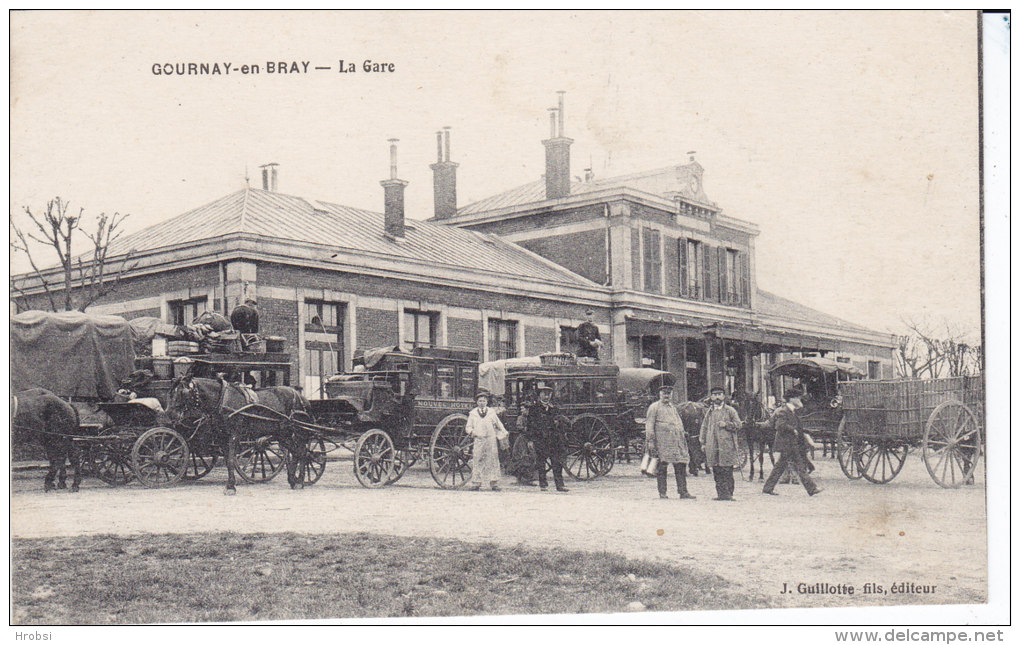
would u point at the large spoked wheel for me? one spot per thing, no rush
(374, 458)
(199, 465)
(404, 459)
(590, 452)
(952, 444)
(881, 460)
(110, 459)
(160, 457)
(848, 452)
(313, 464)
(450, 452)
(257, 457)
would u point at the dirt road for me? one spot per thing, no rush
(854, 533)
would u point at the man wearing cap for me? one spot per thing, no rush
(788, 441)
(544, 437)
(484, 425)
(665, 439)
(719, 439)
(589, 340)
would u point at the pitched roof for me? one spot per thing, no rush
(773, 305)
(274, 215)
(683, 180)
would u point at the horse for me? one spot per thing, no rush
(40, 415)
(194, 399)
(757, 439)
(692, 413)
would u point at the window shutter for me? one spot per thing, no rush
(724, 293)
(681, 253)
(708, 253)
(745, 280)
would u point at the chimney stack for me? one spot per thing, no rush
(269, 176)
(557, 155)
(444, 178)
(393, 192)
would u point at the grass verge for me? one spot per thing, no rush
(243, 577)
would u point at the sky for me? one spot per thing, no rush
(850, 139)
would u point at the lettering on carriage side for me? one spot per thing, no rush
(443, 404)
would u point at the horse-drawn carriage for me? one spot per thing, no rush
(820, 380)
(883, 420)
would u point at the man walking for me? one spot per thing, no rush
(720, 441)
(545, 438)
(665, 439)
(788, 441)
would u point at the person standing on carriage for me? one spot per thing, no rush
(665, 439)
(589, 340)
(720, 440)
(789, 429)
(484, 425)
(546, 439)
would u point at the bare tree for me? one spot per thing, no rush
(926, 353)
(78, 280)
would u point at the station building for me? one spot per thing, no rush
(668, 276)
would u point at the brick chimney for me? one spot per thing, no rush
(557, 155)
(393, 191)
(269, 176)
(444, 178)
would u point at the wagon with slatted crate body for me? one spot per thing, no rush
(883, 420)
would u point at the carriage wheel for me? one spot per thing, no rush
(404, 459)
(590, 452)
(374, 458)
(199, 465)
(952, 444)
(160, 457)
(848, 452)
(111, 461)
(258, 458)
(313, 464)
(450, 452)
(880, 461)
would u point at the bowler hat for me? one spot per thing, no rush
(544, 388)
(717, 389)
(793, 393)
(668, 388)
(480, 393)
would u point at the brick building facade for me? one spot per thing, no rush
(669, 277)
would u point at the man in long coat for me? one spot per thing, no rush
(720, 440)
(666, 439)
(484, 425)
(546, 439)
(788, 441)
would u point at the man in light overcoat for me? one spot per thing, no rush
(665, 439)
(720, 440)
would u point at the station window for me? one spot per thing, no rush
(732, 285)
(324, 344)
(694, 272)
(183, 312)
(502, 339)
(874, 370)
(419, 328)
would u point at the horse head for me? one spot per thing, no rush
(191, 399)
